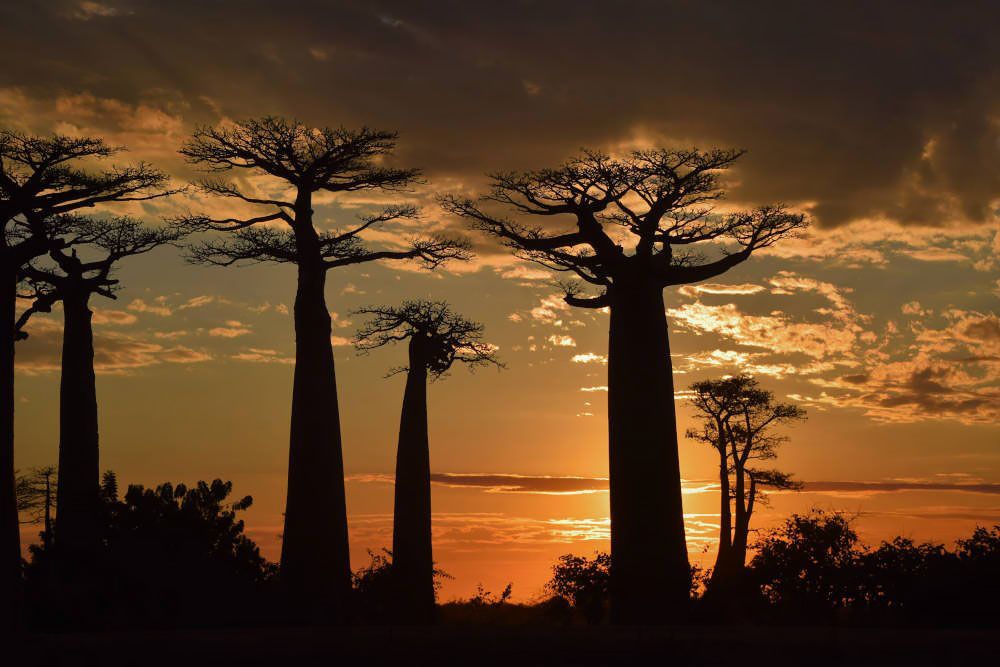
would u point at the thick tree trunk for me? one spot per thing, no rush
(412, 559)
(315, 562)
(11, 582)
(78, 485)
(650, 573)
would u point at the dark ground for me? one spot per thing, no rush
(453, 645)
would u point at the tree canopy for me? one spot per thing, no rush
(650, 213)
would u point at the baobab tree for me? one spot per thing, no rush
(300, 162)
(72, 276)
(437, 339)
(41, 183)
(738, 420)
(639, 224)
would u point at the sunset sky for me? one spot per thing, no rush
(881, 122)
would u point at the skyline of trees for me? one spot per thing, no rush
(662, 200)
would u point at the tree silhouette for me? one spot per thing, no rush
(36, 491)
(809, 563)
(739, 418)
(437, 339)
(159, 549)
(300, 162)
(637, 224)
(71, 279)
(41, 182)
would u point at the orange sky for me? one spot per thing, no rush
(882, 321)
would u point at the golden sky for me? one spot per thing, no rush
(882, 124)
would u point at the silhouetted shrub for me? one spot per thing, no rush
(808, 564)
(374, 589)
(583, 583)
(813, 568)
(169, 556)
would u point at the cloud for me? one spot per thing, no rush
(914, 308)
(549, 309)
(589, 358)
(264, 356)
(947, 372)
(937, 255)
(196, 302)
(525, 272)
(158, 307)
(113, 352)
(554, 485)
(776, 332)
(232, 329)
(717, 288)
(870, 488)
(456, 80)
(104, 316)
(562, 341)
(87, 10)
(169, 335)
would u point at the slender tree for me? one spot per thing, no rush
(40, 182)
(300, 162)
(71, 279)
(437, 339)
(715, 401)
(36, 492)
(751, 439)
(738, 418)
(637, 226)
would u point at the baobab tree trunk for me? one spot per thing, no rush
(315, 562)
(412, 559)
(11, 583)
(650, 573)
(78, 477)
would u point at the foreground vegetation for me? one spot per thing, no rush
(178, 557)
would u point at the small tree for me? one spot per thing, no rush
(41, 182)
(437, 339)
(638, 224)
(300, 162)
(738, 422)
(73, 279)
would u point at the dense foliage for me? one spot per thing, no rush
(168, 556)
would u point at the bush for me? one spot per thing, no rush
(169, 556)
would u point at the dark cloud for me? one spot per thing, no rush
(504, 483)
(860, 109)
(892, 486)
(550, 484)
